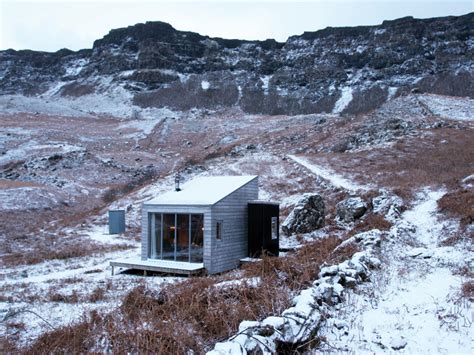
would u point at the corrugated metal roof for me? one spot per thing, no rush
(206, 190)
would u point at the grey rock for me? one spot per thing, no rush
(351, 209)
(307, 216)
(388, 205)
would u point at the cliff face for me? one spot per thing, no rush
(341, 70)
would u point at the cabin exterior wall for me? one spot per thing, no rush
(232, 211)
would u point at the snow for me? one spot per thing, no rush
(75, 67)
(392, 90)
(454, 108)
(100, 233)
(265, 82)
(344, 100)
(17, 103)
(61, 269)
(423, 217)
(413, 303)
(249, 282)
(328, 174)
(205, 190)
(32, 147)
(205, 85)
(116, 102)
(468, 181)
(28, 198)
(145, 127)
(411, 311)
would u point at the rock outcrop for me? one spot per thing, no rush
(341, 70)
(307, 216)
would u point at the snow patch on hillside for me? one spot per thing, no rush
(328, 174)
(344, 100)
(115, 102)
(28, 198)
(454, 108)
(205, 85)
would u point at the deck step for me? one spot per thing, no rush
(165, 266)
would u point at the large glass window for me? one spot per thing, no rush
(182, 238)
(155, 235)
(197, 238)
(177, 237)
(169, 235)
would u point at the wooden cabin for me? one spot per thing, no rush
(203, 226)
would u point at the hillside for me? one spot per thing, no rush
(381, 113)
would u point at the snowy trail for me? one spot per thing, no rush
(423, 216)
(328, 174)
(413, 305)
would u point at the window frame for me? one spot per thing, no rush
(274, 228)
(219, 229)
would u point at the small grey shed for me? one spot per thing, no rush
(116, 221)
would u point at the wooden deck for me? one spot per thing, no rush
(165, 266)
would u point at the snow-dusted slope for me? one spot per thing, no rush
(414, 303)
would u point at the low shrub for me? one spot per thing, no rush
(467, 290)
(459, 204)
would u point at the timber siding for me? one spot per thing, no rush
(232, 210)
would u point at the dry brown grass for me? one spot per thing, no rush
(54, 296)
(459, 204)
(197, 312)
(467, 290)
(98, 294)
(78, 336)
(59, 251)
(451, 240)
(440, 157)
(370, 221)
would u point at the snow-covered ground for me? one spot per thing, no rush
(453, 108)
(333, 177)
(117, 104)
(344, 100)
(413, 303)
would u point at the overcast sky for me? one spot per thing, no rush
(52, 25)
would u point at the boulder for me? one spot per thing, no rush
(387, 205)
(307, 215)
(351, 209)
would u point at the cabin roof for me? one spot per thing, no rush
(206, 190)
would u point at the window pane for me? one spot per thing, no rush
(182, 246)
(168, 236)
(219, 230)
(197, 237)
(155, 236)
(274, 227)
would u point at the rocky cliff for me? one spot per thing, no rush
(341, 70)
